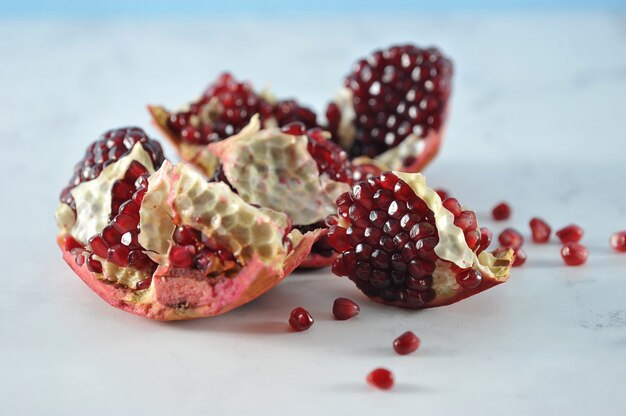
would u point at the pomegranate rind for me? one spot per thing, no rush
(197, 155)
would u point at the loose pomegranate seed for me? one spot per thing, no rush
(618, 241)
(397, 92)
(574, 254)
(344, 308)
(520, 257)
(469, 279)
(300, 319)
(406, 343)
(510, 238)
(570, 234)
(381, 378)
(502, 211)
(540, 230)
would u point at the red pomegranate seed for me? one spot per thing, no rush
(452, 205)
(300, 319)
(469, 279)
(344, 308)
(540, 230)
(502, 211)
(70, 243)
(182, 256)
(381, 378)
(406, 343)
(511, 238)
(618, 241)
(297, 128)
(144, 284)
(574, 254)
(443, 194)
(520, 257)
(570, 234)
(485, 239)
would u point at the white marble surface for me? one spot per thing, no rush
(539, 119)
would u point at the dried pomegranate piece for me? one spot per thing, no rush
(393, 106)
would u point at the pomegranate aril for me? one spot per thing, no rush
(540, 230)
(118, 254)
(520, 257)
(70, 243)
(501, 212)
(443, 194)
(94, 265)
(300, 319)
(570, 234)
(406, 343)
(344, 308)
(452, 205)
(574, 254)
(510, 238)
(469, 279)
(618, 241)
(144, 284)
(485, 239)
(381, 378)
(98, 246)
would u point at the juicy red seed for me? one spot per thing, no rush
(70, 243)
(182, 256)
(540, 230)
(344, 308)
(502, 211)
(381, 378)
(510, 238)
(185, 235)
(396, 92)
(300, 319)
(570, 234)
(485, 239)
(296, 128)
(118, 254)
(452, 205)
(466, 221)
(329, 157)
(520, 257)
(618, 241)
(443, 194)
(469, 279)
(98, 246)
(574, 254)
(144, 284)
(94, 265)
(406, 343)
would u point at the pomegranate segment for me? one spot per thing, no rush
(618, 241)
(402, 246)
(300, 319)
(574, 254)
(381, 378)
(540, 230)
(501, 212)
(570, 234)
(406, 343)
(393, 106)
(223, 110)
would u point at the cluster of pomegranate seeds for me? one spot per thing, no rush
(618, 241)
(388, 249)
(510, 238)
(406, 343)
(110, 147)
(574, 254)
(501, 212)
(329, 157)
(226, 107)
(540, 230)
(300, 319)
(570, 234)
(466, 220)
(344, 309)
(399, 91)
(118, 241)
(192, 250)
(381, 378)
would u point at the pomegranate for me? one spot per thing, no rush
(406, 343)
(574, 254)
(223, 110)
(540, 230)
(344, 309)
(291, 170)
(381, 378)
(618, 241)
(402, 246)
(510, 238)
(167, 245)
(393, 107)
(300, 319)
(501, 212)
(570, 234)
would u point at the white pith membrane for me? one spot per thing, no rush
(393, 158)
(275, 170)
(93, 198)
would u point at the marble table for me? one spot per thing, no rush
(538, 120)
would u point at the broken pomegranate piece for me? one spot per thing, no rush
(223, 110)
(393, 107)
(168, 245)
(402, 246)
